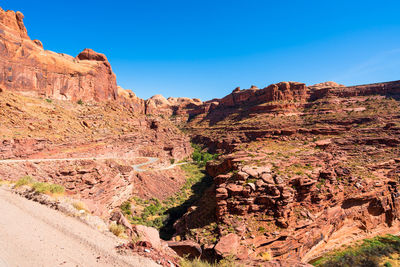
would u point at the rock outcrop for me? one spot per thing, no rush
(317, 169)
(27, 68)
(172, 106)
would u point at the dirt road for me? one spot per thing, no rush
(136, 167)
(35, 235)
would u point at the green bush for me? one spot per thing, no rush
(201, 157)
(369, 253)
(56, 189)
(44, 188)
(48, 100)
(126, 208)
(26, 180)
(80, 102)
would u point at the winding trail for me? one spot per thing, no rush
(136, 167)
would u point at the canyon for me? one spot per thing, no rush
(298, 170)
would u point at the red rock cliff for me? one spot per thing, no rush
(26, 67)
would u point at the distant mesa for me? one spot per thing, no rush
(326, 84)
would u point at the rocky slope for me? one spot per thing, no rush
(107, 137)
(303, 169)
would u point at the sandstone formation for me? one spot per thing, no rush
(158, 104)
(107, 137)
(317, 169)
(26, 67)
(129, 99)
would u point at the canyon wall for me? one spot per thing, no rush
(27, 68)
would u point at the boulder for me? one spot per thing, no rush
(89, 54)
(186, 248)
(148, 234)
(227, 245)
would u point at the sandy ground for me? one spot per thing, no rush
(35, 235)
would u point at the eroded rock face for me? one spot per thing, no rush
(158, 104)
(301, 177)
(26, 67)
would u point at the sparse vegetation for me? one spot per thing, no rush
(368, 253)
(47, 188)
(116, 229)
(80, 102)
(158, 214)
(226, 262)
(39, 187)
(126, 208)
(79, 205)
(200, 156)
(26, 180)
(48, 100)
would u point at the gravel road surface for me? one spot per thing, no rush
(32, 234)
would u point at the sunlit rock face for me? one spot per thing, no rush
(26, 67)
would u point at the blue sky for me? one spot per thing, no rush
(205, 48)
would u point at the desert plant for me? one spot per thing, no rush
(56, 189)
(46, 188)
(116, 229)
(126, 208)
(80, 102)
(201, 157)
(368, 253)
(26, 180)
(48, 100)
(195, 263)
(79, 205)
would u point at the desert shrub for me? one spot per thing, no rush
(229, 261)
(368, 253)
(126, 208)
(80, 102)
(26, 180)
(56, 189)
(195, 263)
(79, 205)
(48, 100)
(46, 188)
(201, 157)
(41, 187)
(116, 229)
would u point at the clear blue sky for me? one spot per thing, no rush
(205, 48)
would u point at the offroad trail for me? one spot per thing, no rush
(34, 235)
(136, 167)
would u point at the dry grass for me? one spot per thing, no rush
(79, 205)
(116, 229)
